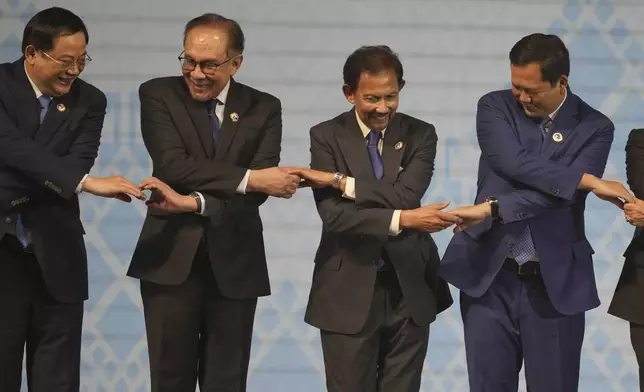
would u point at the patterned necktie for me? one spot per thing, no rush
(214, 120)
(524, 249)
(545, 126)
(373, 138)
(23, 235)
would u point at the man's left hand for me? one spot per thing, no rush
(313, 178)
(471, 215)
(165, 198)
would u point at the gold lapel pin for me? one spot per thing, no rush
(61, 107)
(234, 116)
(557, 137)
(398, 145)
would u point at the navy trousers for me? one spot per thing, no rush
(514, 322)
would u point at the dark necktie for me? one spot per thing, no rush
(373, 138)
(21, 232)
(215, 125)
(524, 249)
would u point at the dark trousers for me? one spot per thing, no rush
(515, 322)
(637, 340)
(195, 333)
(387, 355)
(32, 318)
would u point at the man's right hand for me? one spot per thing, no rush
(113, 187)
(428, 218)
(274, 181)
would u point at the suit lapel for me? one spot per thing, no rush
(237, 104)
(564, 123)
(198, 113)
(59, 111)
(392, 148)
(353, 146)
(25, 99)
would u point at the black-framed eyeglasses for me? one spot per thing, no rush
(208, 67)
(69, 64)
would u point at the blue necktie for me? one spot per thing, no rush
(524, 249)
(373, 138)
(214, 120)
(21, 233)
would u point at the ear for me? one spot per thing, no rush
(236, 64)
(563, 83)
(30, 54)
(402, 84)
(348, 94)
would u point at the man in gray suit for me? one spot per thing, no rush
(375, 289)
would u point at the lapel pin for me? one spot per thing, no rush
(398, 145)
(557, 137)
(61, 107)
(234, 116)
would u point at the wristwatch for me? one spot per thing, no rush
(494, 205)
(337, 177)
(196, 196)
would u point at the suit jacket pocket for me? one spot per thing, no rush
(334, 262)
(250, 224)
(582, 249)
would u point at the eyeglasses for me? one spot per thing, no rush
(69, 64)
(208, 67)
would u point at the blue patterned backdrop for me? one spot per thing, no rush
(453, 52)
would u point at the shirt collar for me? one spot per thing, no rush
(365, 129)
(553, 114)
(223, 94)
(33, 85)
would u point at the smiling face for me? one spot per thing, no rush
(538, 97)
(208, 66)
(375, 98)
(54, 71)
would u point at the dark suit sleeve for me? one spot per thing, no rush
(62, 175)
(267, 155)
(172, 164)
(407, 191)
(507, 157)
(340, 215)
(635, 162)
(528, 203)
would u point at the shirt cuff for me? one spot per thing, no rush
(241, 189)
(394, 227)
(203, 204)
(79, 188)
(350, 190)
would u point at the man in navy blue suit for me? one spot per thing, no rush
(521, 258)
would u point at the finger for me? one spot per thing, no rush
(449, 217)
(438, 206)
(133, 190)
(123, 197)
(153, 204)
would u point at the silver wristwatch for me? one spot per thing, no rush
(337, 177)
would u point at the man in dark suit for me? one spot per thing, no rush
(627, 300)
(375, 289)
(215, 145)
(525, 272)
(50, 129)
